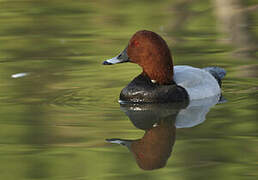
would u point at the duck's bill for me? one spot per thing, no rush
(123, 142)
(121, 58)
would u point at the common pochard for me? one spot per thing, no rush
(160, 81)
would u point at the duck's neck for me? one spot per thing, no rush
(160, 75)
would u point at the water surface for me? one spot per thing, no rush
(55, 118)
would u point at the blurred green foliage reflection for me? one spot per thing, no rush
(54, 121)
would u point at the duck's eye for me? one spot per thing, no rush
(135, 43)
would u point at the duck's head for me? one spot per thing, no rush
(151, 52)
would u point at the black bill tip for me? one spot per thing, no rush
(106, 63)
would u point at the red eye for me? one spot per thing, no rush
(135, 43)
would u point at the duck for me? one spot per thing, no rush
(161, 81)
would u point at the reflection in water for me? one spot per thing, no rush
(159, 121)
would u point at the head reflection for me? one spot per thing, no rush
(159, 121)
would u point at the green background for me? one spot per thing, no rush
(54, 122)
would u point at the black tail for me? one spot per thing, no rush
(217, 72)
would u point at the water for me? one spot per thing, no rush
(54, 119)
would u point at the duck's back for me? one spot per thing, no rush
(199, 83)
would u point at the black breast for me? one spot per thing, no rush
(141, 89)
